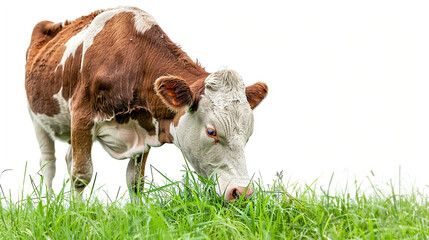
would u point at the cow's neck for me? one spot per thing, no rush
(165, 58)
(174, 127)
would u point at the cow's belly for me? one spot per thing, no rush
(124, 140)
(57, 126)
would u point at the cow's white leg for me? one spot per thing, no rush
(135, 175)
(47, 151)
(69, 159)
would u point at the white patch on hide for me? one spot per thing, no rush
(143, 21)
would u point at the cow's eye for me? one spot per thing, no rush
(211, 132)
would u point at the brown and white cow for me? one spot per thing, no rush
(114, 76)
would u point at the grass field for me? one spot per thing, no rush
(189, 209)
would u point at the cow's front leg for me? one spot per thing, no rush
(135, 175)
(81, 143)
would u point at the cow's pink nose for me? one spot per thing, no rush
(235, 193)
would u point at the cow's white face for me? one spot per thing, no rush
(214, 136)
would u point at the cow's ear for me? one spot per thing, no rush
(174, 92)
(256, 93)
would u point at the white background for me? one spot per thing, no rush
(348, 86)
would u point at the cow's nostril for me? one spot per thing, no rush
(235, 193)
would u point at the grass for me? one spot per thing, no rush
(189, 209)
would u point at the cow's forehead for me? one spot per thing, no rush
(232, 119)
(225, 88)
(225, 103)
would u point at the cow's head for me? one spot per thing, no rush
(215, 126)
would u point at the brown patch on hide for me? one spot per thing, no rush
(125, 63)
(164, 135)
(144, 119)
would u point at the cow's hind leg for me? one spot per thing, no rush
(69, 159)
(47, 151)
(135, 175)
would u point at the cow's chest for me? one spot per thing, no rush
(125, 140)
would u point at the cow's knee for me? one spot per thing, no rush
(48, 168)
(81, 177)
(69, 159)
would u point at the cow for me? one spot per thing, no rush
(114, 76)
